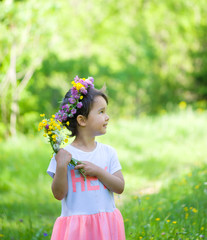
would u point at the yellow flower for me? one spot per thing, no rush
(194, 210)
(168, 220)
(126, 220)
(49, 133)
(186, 216)
(197, 186)
(1, 235)
(53, 116)
(42, 115)
(68, 123)
(186, 209)
(45, 135)
(66, 140)
(174, 222)
(202, 228)
(140, 237)
(157, 219)
(83, 79)
(182, 105)
(81, 97)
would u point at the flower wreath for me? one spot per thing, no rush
(79, 89)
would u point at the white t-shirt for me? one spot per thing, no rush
(90, 196)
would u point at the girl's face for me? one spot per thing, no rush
(97, 120)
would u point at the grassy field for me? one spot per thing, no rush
(165, 167)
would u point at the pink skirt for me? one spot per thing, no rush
(100, 226)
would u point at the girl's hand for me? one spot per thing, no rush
(63, 157)
(89, 169)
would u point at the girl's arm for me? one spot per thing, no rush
(60, 181)
(114, 182)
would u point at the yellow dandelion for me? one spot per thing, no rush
(157, 219)
(53, 116)
(147, 198)
(186, 216)
(126, 220)
(45, 135)
(168, 220)
(140, 237)
(67, 123)
(83, 79)
(49, 133)
(174, 222)
(194, 210)
(81, 97)
(197, 186)
(186, 209)
(66, 140)
(202, 228)
(42, 115)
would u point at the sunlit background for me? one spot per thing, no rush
(151, 56)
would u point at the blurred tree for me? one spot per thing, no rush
(24, 40)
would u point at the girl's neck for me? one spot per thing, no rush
(84, 143)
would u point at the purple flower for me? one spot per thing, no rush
(91, 79)
(64, 117)
(76, 78)
(77, 96)
(71, 100)
(47, 126)
(83, 90)
(73, 111)
(79, 105)
(45, 234)
(74, 91)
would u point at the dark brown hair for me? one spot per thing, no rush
(87, 102)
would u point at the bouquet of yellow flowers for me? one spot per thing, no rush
(54, 131)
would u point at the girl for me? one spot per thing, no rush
(88, 208)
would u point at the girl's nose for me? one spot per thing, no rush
(107, 117)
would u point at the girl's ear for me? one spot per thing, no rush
(81, 120)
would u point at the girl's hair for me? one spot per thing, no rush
(87, 102)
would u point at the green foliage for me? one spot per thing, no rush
(150, 54)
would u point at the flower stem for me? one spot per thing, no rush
(75, 162)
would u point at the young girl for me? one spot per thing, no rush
(88, 208)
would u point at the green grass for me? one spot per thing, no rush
(164, 165)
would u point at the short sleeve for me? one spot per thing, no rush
(114, 162)
(52, 167)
